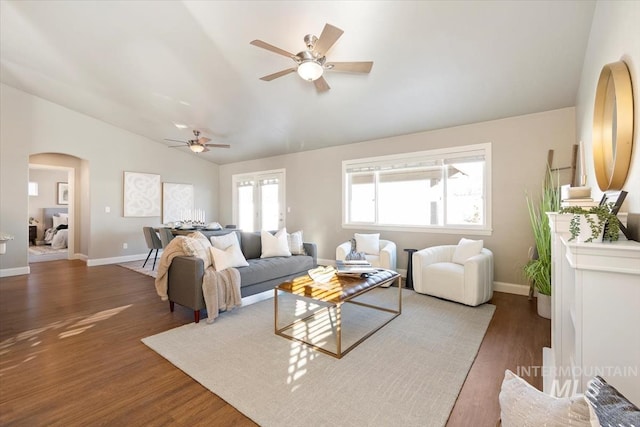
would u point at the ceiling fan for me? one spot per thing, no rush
(198, 144)
(311, 63)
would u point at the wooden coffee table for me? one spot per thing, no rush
(331, 293)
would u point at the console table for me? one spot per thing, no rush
(595, 315)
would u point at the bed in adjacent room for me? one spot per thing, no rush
(56, 224)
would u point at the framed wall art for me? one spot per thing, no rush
(63, 193)
(141, 194)
(176, 200)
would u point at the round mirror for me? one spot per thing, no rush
(613, 126)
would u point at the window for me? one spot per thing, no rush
(445, 190)
(258, 200)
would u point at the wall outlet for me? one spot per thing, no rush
(107, 209)
(125, 246)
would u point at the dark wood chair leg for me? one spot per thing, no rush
(196, 316)
(171, 306)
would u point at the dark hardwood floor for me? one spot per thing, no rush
(71, 355)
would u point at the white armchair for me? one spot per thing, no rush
(470, 283)
(386, 257)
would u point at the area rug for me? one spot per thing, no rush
(137, 266)
(408, 373)
(45, 250)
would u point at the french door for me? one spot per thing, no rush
(259, 200)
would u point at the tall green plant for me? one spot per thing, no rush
(538, 271)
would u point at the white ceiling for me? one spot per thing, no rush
(146, 65)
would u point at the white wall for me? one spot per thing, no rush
(615, 35)
(519, 144)
(30, 125)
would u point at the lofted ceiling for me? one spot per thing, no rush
(147, 65)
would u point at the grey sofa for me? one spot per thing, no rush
(185, 273)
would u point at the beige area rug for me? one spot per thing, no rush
(137, 266)
(45, 253)
(409, 373)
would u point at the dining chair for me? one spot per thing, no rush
(153, 243)
(165, 236)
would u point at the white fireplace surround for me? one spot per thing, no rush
(595, 321)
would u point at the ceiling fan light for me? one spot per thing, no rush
(310, 70)
(197, 148)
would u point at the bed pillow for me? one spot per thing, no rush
(521, 404)
(59, 220)
(224, 241)
(466, 249)
(274, 244)
(368, 243)
(225, 258)
(296, 247)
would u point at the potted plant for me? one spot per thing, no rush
(538, 269)
(601, 220)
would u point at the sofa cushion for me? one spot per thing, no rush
(368, 243)
(274, 244)
(250, 244)
(264, 269)
(295, 243)
(229, 257)
(224, 241)
(466, 249)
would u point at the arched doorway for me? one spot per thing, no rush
(60, 172)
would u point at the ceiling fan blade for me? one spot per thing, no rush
(321, 85)
(272, 48)
(278, 74)
(203, 139)
(329, 36)
(175, 140)
(175, 146)
(350, 67)
(205, 150)
(218, 145)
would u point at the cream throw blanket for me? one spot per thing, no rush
(221, 289)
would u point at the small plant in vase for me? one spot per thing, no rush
(600, 219)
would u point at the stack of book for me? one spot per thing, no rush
(354, 268)
(576, 196)
(586, 202)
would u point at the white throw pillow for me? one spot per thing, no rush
(368, 243)
(296, 246)
(523, 405)
(466, 249)
(274, 245)
(230, 257)
(224, 241)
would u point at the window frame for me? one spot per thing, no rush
(427, 155)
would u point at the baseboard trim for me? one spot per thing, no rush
(511, 288)
(117, 260)
(19, 271)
